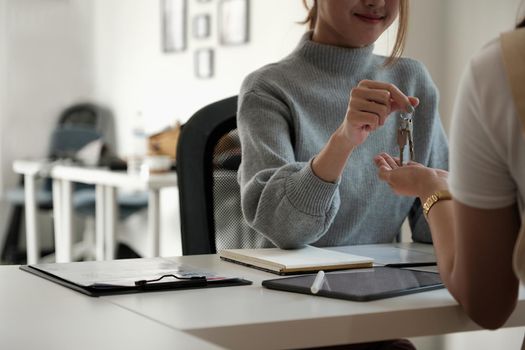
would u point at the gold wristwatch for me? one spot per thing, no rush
(433, 199)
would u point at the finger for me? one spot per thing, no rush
(379, 110)
(397, 160)
(394, 106)
(390, 161)
(412, 163)
(414, 101)
(395, 94)
(375, 95)
(381, 162)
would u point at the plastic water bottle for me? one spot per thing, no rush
(139, 145)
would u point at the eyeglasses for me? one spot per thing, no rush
(198, 280)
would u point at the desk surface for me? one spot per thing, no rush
(38, 314)
(94, 175)
(109, 177)
(233, 317)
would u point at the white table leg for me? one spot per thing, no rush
(64, 250)
(100, 218)
(154, 221)
(32, 234)
(57, 216)
(110, 218)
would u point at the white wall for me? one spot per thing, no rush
(470, 24)
(445, 34)
(3, 50)
(3, 53)
(45, 65)
(133, 74)
(48, 66)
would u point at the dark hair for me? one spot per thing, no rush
(402, 29)
(521, 24)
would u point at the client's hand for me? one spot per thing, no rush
(413, 179)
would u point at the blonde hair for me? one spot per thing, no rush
(402, 29)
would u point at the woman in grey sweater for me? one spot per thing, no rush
(311, 124)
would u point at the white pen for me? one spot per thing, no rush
(318, 282)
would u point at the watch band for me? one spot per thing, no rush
(433, 199)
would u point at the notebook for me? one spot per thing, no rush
(295, 261)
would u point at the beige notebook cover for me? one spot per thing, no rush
(290, 261)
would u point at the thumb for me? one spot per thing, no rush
(414, 101)
(395, 106)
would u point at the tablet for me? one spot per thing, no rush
(362, 284)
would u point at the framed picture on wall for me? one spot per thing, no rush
(201, 26)
(234, 22)
(174, 19)
(204, 63)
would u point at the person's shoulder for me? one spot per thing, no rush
(414, 76)
(411, 67)
(270, 76)
(260, 78)
(487, 56)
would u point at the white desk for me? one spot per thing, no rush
(38, 314)
(31, 170)
(106, 182)
(252, 317)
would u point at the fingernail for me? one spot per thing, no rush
(410, 109)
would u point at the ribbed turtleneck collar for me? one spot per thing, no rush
(335, 58)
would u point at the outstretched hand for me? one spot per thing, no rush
(413, 179)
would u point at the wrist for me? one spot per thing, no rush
(341, 141)
(433, 199)
(431, 184)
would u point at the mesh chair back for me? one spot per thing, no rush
(231, 230)
(208, 157)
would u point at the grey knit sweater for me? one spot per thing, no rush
(287, 112)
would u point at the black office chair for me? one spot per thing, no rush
(208, 157)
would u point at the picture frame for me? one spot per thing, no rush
(204, 63)
(174, 22)
(202, 26)
(234, 22)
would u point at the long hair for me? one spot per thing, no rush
(402, 29)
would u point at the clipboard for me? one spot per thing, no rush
(99, 278)
(362, 284)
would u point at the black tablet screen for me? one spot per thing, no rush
(362, 284)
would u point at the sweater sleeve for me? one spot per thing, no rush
(281, 198)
